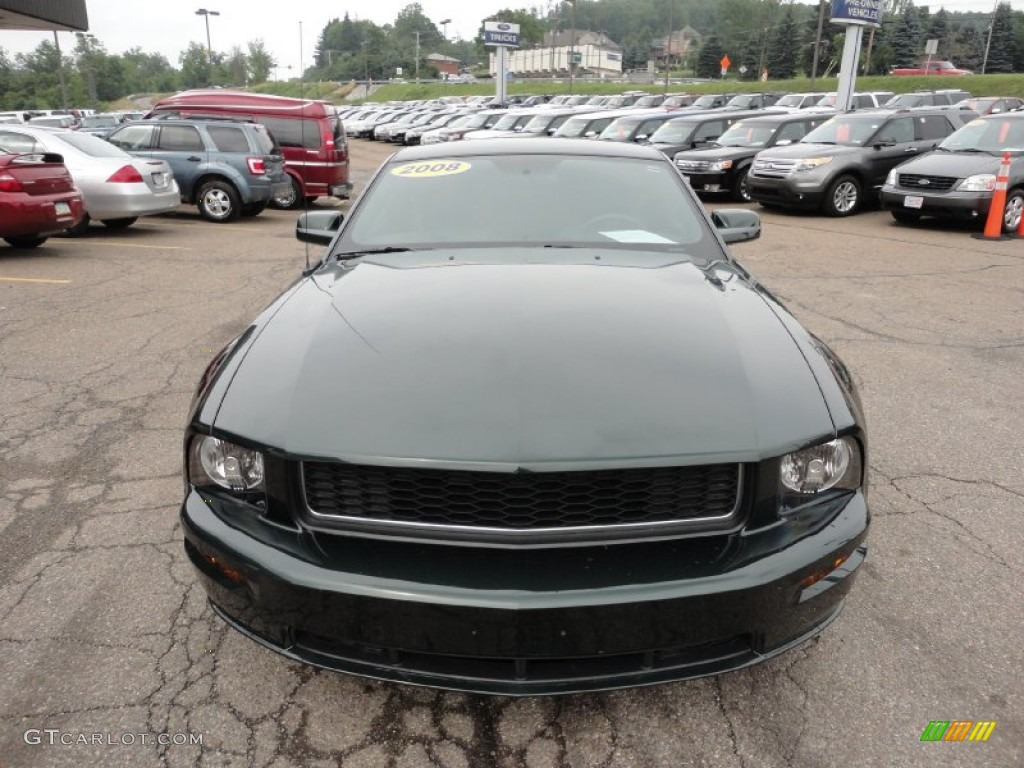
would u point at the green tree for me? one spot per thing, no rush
(147, 72)
(260, 61)
(236, 67)
(968, 47)
(1003, 44)
(906, 40)
(781, 59)
(709, 58)
(195, 66)
(938, 29)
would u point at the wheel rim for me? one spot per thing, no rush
(1013, 212)
(217, 203)
(745, 188)
(845, 197)
(288, 199)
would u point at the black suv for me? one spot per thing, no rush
(844, 161)
(723, 166)
(943, 98)
(228, 168)
(753, 100)
(688, 130)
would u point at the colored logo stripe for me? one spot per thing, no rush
(982, 731)
(958, 730)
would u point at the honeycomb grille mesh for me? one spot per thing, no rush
(521, 501)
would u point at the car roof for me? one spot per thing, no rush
(543, 146)
(785, 117)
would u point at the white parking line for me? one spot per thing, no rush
(129, 245)
(32, 280)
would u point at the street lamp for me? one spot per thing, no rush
(209, 47)
(572, 45)
(366, 65)
(444, 23)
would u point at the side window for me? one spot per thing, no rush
(792, 132)
(863, 101)
(599, 125)
(708, 131)
(180, 138)
(933, 127)
(133, 137)
(899, 131)
(228, 139)
(18, 143)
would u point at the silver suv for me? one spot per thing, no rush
(228, 168)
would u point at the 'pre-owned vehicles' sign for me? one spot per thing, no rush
(864, 12)
(501, 33)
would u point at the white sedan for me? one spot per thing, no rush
(117, 188)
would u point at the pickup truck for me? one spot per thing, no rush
(932, 68)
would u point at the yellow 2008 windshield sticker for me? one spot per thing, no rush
(431, 170)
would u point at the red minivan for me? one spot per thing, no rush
(310, 133)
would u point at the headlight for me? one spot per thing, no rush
(721, 165)
(810, 163)
(835, 464)
(890, 180)
(983, 182)
(217, 462)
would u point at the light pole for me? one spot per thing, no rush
(366, 65)
(417, 33)
(209, 47)
(572, 44)
(444, 24)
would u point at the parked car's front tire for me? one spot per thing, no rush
(292, 198)
(26, 241)
(120, 223)
(843, 197)
(218, 201)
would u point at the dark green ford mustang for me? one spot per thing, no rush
(527, 428)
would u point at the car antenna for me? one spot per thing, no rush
(302, 131)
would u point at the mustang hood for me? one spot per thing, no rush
(443, 356)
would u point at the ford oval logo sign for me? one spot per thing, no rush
(504, 27)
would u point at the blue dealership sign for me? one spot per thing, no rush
(501, 33)
(866, 13)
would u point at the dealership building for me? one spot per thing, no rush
(597, 55)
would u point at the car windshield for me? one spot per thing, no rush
(574, 128)
(649, 101)
(746, 134)
(845, 129)
(526, 200)
(674, 132)
(742, 102)
(791, 100)
(93, 146)
(704, 102)
(1001, 134)
(905, 100)
(100, 121)
(621, 129)
(479, 120)
(507, 122)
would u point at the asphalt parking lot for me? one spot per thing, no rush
(108, 645)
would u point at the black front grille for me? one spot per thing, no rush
(927, 183)
(521, 502)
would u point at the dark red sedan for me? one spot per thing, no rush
(37, 198)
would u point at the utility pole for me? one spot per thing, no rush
(417, 33)
(572, 45)
(817, 42)
(668, 44)
(988, 42)
(60, 72)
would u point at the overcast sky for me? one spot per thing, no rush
(167, 26)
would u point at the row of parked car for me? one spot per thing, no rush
(230, 154)
(926, 153)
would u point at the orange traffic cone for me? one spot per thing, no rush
(996, 210)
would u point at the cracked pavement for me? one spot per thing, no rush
(105, 630)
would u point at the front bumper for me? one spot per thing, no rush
(957, 205)
(526, 622)
(709, 182)
(801, 191)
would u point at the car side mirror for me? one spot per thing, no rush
(737, 225)
(589, 134)
(318, 227)
(551, 131)
(783, 142)
(640, 137)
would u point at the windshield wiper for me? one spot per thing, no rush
(369, 251)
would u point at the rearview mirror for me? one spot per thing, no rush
(318, 227)
(737, 225)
